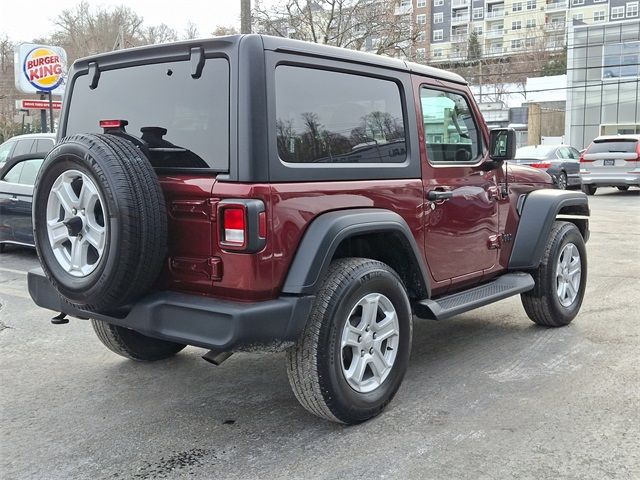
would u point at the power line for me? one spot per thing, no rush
(572, 87)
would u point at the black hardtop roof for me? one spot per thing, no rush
(181, 51)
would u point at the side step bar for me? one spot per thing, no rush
(449, 305)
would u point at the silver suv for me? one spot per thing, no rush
(611, 161)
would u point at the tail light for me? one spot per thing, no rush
(243, 225)
(234, 225)
(582, 159)
(540, 165)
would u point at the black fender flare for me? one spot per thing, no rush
(328, 230)
(538, 210)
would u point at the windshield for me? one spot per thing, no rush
(614, 145)
(184, 120)
(535, 151)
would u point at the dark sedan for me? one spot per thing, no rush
(562, 162)
(17, 177)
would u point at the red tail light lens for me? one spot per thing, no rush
(242, 225)
(234, 225)
(582, 159)
(113, 123)
(541, 165)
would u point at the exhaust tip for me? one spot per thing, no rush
(216, 356)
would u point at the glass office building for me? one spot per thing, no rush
(603, 81)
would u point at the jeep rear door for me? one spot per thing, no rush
(461, 225)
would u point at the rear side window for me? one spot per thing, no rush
(23, 147)
(30, 171)
(330, 117)
(13, 175)
(185, 120)
(5, 150)
(43, 145)
(451, 133)
(614, 145)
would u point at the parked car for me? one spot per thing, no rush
(562, 162)
(265, 193)
(17, 177)
(26, 144)
(611, 161)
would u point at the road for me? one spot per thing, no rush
(488, 395)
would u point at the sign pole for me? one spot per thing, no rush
(43, 117)
(50, 113)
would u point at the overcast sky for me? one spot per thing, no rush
(25, 20)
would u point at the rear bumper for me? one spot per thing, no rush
(610, 180)
(196, 320)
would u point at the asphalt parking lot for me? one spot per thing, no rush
(488, 395)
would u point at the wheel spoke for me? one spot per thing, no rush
(95, 237)
(379, 363)
(350, 336)
(562, 287)
(67, 198)
(386, 328)
(571, 293)
(370, 309)
(79, 251)
(357, 368)
(88, 194)
(58, 232)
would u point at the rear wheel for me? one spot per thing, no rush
(623, 188)
(589, 189)
(562, 181)
(352, 356)
(560, 280)
(131, 344)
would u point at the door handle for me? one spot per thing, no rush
(439, 195)
(13, 199)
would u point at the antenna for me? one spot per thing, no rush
(505, 192)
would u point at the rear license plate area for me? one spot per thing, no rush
(609, 163)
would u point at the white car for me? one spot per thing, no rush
(611, 161)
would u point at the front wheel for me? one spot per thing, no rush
(352, 356)
(560, 280)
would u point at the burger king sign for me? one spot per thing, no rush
(40, 68)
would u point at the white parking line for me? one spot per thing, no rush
(11, 270)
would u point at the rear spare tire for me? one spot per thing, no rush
(100, 223)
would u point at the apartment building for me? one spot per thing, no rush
(505, 27)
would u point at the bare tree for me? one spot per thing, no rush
(372, 25)
(222, 30)
(191, 31)
(159, 34)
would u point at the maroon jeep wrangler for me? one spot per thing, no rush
(250, 192)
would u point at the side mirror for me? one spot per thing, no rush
(502, 144)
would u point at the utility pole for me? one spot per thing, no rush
(480, 79)
(245, 16)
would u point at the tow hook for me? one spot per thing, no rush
(60, 319)
(216, 356)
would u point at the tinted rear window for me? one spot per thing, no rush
(619, 146)
(332, 117)
(43, 145)
(159, 97)
(23, 147)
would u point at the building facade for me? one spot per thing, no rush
(504, 27)
(603, 81)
